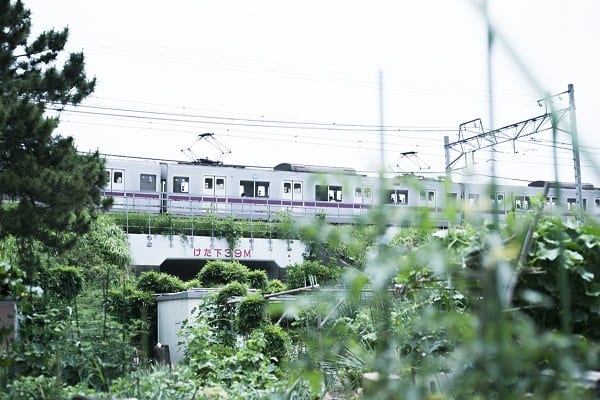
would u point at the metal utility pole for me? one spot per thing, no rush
(575, 145)
(550, 120)
(447, 157)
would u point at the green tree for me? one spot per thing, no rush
(105, 243)
(53, 192)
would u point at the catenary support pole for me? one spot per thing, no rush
(575, 145)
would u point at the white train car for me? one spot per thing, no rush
(341, 194)
(133, 184)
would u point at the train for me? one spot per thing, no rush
(339, 194)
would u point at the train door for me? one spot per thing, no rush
(164, 169)
(214, 186)
(451, 200)
(363, 198)
(497, 202)
(428, 198)
(116, 185)
(292, 191)
(116, 179)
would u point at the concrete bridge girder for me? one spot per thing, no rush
(184, 256)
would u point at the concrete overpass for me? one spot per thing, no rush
(184, 256)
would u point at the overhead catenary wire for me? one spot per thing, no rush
(233, 121)
(174, 117)
(272, 129)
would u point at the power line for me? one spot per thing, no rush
(261, 123)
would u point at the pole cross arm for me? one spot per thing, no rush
(508, 133)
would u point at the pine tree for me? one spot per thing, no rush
(50, 193)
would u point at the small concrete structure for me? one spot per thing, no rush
(173, 309)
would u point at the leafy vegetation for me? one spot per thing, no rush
(564, 261)
(230, 290)
(410, 312)
(229, 228)
(414, 325)
(258, 279)
(418, 322)
(251, 314)
(159, 282)
(217, 272)
(299, 275)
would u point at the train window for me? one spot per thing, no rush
(522, 202)
(181, 184)
(220, 183)
(571, 203)
(321, 192)
(452, 198)
(208, 183)
(262, 189)
(298, 188)
(597, 202)
(247, 188)
(402, 197)
(335, 193)
(497, 198)
(287, 187)
(427, 196)
(254, 189)
(148, 182)
(358, 192)
(118, 177)
(328, 193)
(368, 192)
(473, 199)
(396, 196)
(551, 201)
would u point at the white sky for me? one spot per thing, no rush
(233, 67)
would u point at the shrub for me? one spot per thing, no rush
(297, 275)
(126, 303)
(33, 387)
(161, 383)
(277, 342)
(230, 290)
(193, 283)
(63, 282)
(230, 230)
(275, 286)
(159, 282)
(258, 279)
(251, 314)
(219, 272)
